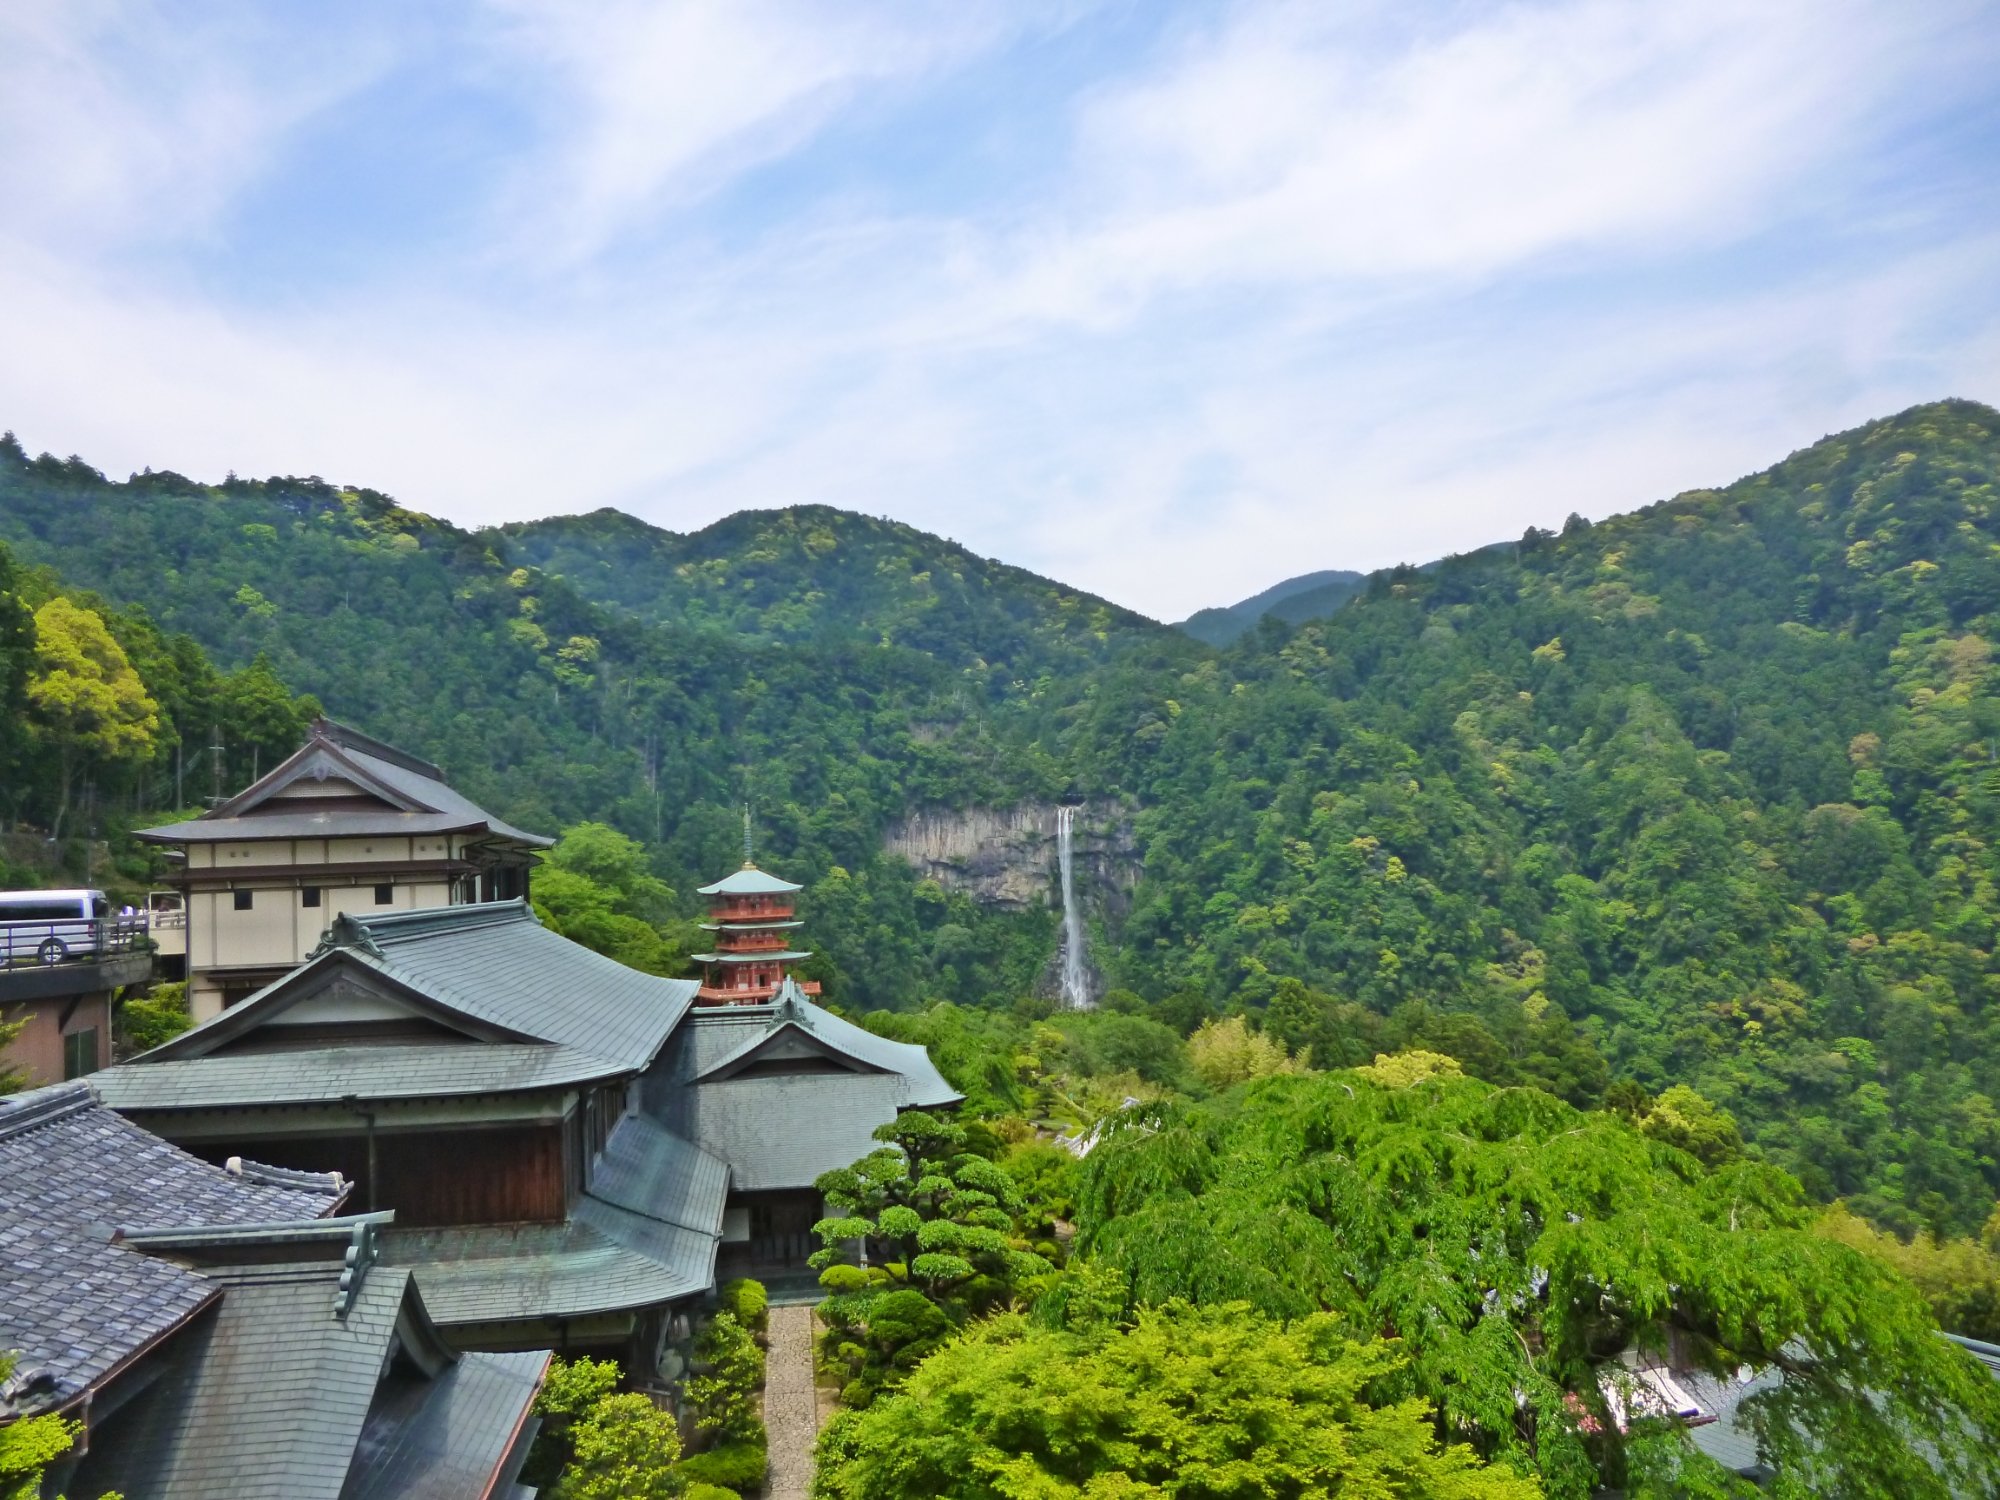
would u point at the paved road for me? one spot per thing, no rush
(791, 1419)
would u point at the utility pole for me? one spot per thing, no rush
(215, 765)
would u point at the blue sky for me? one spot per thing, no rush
(1167, 301)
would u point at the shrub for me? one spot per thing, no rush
(735, 1466)
(625, 1450)
(150, 1020)
(748, 1303)
(571, 1391)
(701, 1490)
(843, 1280)
(724, 1396)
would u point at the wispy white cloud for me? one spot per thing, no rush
(125, 120)
(647, 105)
(1278, 287)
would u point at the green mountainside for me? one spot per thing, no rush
(814, 574)
(1705, 794)
(1306, 597)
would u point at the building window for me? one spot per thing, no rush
(384, 894)
(309, 896)
(80, 1053)
(242, 900)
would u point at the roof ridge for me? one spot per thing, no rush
(42, 1106)
(350, 738)
(430, 921)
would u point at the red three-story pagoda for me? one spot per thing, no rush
(750, 914)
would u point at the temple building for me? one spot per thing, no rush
(752, 915)
(214, 1330)
(573, 1150)
(346, 824)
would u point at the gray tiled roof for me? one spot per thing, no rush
(329, 1074)
(784, 1131)
(748, 881)
(71, 1173)
(267, 1400)
(497, 963)
(430, 804)
(503, 1273)
(583, 1016)
(924, 1086)
(651, 1171)
(445, 1439)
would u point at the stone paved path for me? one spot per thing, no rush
(791, 1418)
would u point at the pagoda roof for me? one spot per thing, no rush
(750, 926)
(749, 881)
(750, 956)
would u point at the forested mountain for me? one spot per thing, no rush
(1704, 794)
(1306, 597)
(554, 709)
(814, 574)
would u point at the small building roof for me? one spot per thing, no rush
(275, 1396)
(74, 1306)
(548, 1011)
(405, 796)
(788, 1090)
(644, 1232)
(748, 881)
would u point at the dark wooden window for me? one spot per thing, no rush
(309, 896)
(384, 894)
(242, 899)
(80, 1052)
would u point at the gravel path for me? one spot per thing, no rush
(791, 1417)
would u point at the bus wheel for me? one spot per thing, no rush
(52, 951)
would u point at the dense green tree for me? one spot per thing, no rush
(1516, 1245)
(1205, 1404)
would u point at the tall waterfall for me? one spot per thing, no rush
(1075, 972)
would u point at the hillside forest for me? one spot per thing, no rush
(1687, 815)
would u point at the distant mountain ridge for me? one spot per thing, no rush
(1316, 594)
(813, 573)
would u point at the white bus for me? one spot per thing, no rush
(48, 927)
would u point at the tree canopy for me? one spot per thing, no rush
(1219, 1403)
(1514, 1245)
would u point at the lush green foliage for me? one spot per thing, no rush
(939, 1223)
(624, 1449)
(104, 716)
(1960, 1278)
(597, 887)
(725, 1397)
(29, 1446)
(554, 710)
(154, 1018)
(570, 1391)
(738, 1468)
(746, 1300)
(1514, 1244)
(1201, 1404)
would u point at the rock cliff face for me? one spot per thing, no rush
(1006, 857)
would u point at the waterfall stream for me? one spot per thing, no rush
(1075, 971)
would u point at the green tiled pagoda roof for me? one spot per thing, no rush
(749, 881)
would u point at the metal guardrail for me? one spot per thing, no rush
(68, 940)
